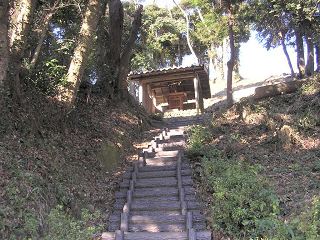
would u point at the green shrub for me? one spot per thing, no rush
(245, 206)
(308, 224)
(197, 137)
(62, 226)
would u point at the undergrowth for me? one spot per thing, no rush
(244, 205)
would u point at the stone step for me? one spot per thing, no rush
(157, 182)
(170, 173)
(172, 167)
(142, 205)
(117, 213)
(159, 227)
(188, 197)
(201, 235)
(172, 153)
(155, 191)
(159, 218)
(152, 162)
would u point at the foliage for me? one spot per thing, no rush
(244, 204)
(63, 226)
(162, 42)
(308, 224)
(49, 77)
(198, 136)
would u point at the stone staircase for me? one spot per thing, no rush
(156, 199)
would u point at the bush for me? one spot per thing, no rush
(245, 206)
(308, 224)
(197, 137)
(62, 226)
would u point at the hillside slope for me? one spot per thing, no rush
(59, 183)
(255, 144)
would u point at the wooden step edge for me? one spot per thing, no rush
(188, 197)
(157, 218)
(200, 235)
(170, 173)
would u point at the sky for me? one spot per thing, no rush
(255, 61)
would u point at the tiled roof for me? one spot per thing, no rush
(165, 71)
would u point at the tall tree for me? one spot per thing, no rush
(231, 62)
(68, 94)
(116, 17)
(124, 65)
(186, 16)
(310, 56)
(4, 44)
(300, 51)
(272, 22)
(20, 22)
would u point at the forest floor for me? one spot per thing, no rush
(58, 179)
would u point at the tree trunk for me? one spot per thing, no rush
(116, 32)
(231, 61)
(310, 56)
(43, 33)
(300, 53)
(285, 51)
(236, 68)
(20, 21)
(126, 54)
(317, 53)
(103, 59)
(187, 31)
(4, 47)
(69, 93)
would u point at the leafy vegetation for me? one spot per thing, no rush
(242, 176)
(61, 61)
(63, 226)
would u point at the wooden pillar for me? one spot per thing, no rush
(147, 101)
(152, 101)
(198, 94)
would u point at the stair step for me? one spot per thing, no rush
(158, 205)
(170, 173)
(172, 167)
(155, 191)
(188, 197)
(172, 153)
(157, 182)
(172, 227)
(161, 163)
(202, 235)
(159, 218)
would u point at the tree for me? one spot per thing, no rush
(20, 23)
(76, 69)
(162, 41)
(125, 58)
(231, 62)
(271, 21)
(4, 45)
(186, 16)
